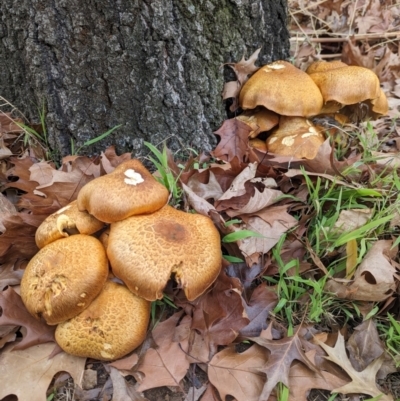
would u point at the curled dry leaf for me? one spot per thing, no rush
(374, 278)
(361, 382)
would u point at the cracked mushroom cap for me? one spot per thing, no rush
(129, 190)
(113, 325)
(297, 137)
(66, 221)
(282, 88)
(64, 277)
(144, 251)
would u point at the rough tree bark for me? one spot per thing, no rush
(153, 66)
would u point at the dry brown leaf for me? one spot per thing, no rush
(350, 220)
(302, 380)
(234, 140)
(351, 257)
(167, 364)
(219, 314)
(238, 374)
(263, 299)
(15, 313)
(197, 202)
(244, 67)
(283, 353)
(271, 230)
(374, 278)
(28, 373)
(362, 382)
(122, 390)
(364, 345)
(211, 190)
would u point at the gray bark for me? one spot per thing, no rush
(153, 66)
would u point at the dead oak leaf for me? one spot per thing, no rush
(362, 382)
(219, 314)
(302, 380)
(167, 364)
(262, 301)
(244, 68)
(238, 374)
(234, 141)
(15, 313)
(277, 367)
(28, 373)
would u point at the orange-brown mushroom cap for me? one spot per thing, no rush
(259, 120)
(113, 325)
(347, 85)
(129, 190)
(297, 137)
(145, 250)
(64, 277)
(282, 88)
(68, 220)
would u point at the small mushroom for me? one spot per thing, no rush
(144, 251)
(258, 144)
(282, 88)
(259, 120)
(66, 221)
(129, 190)
(113, 325)
(297, 137)
(64, 277)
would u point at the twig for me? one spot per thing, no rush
(365, 36)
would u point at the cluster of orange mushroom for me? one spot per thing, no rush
(123, 220)
(280, 99)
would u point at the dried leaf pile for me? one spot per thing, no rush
(312, 283)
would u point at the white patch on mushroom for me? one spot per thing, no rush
(63, 209)
(307, 134)
(272, 140)
(277, 66)
(107, 346)
(288, 140)
(132, 177)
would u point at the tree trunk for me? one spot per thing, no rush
(153, 66)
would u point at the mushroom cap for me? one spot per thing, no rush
(64, 277)
(113, 325)
(259, 120)
(145, 250)
(129, 190)
(347, 85)
(297, 137)
(321, 66)
(258, 144)
(66, 221)
(282, 88)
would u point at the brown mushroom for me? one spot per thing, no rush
(344, 85)
(129, 190)
(64, 277)
(258, 144)
(113, 325)
(145, 250)
(297, 137)
(282, 88)
(66, 221)
(259, 120)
